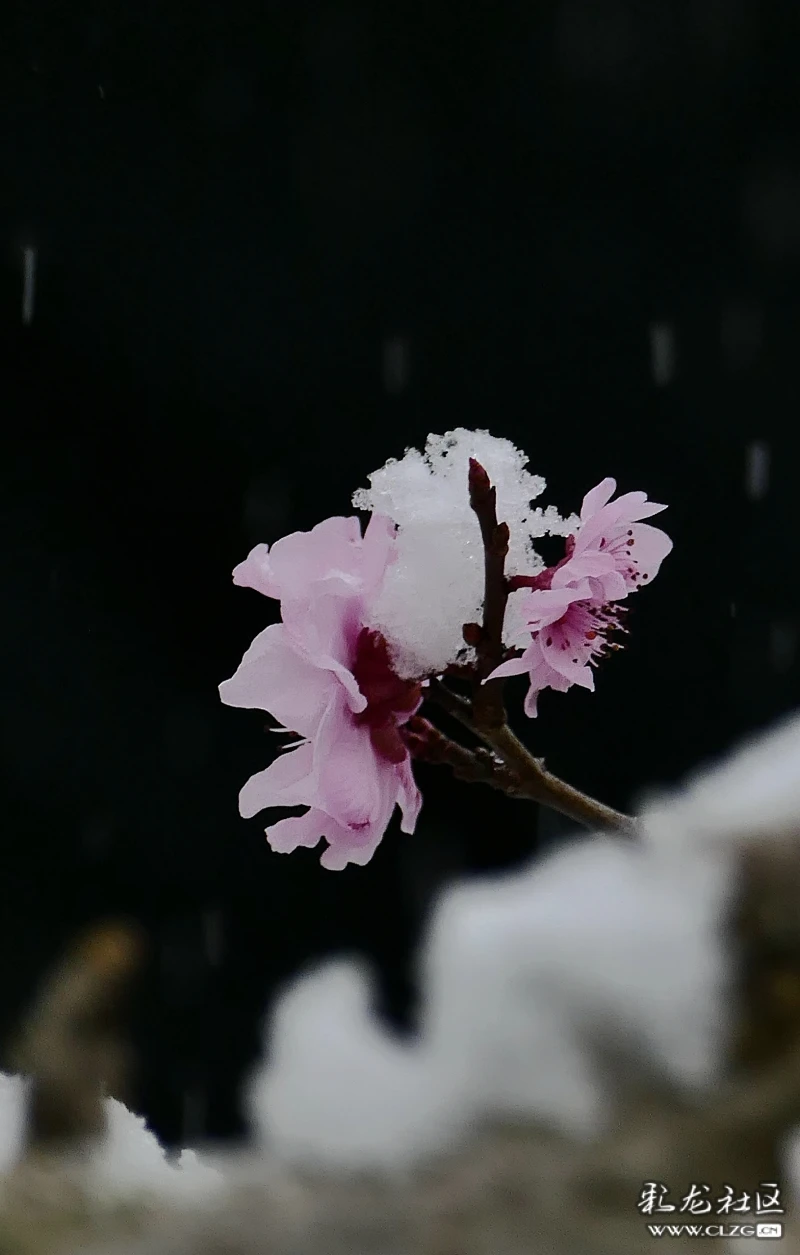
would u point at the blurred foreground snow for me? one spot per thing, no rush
(530, 981)
(544, 994)
(127, 1161)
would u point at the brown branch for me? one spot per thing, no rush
(485, 716)
(488, 700)
(550, 790)
(475, 766)
(534, 781)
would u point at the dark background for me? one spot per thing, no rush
(275, 243)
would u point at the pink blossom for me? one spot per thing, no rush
(570, 608)
(610, 532)
(324, 674)
(568, 628)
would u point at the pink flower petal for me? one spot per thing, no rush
(288, 781)
(514, 666)
(324, 633)
(350, 782)
(567, 662)
(256, 572)
(531, 703)
(609, 522)
(651, 548)
(610, 587)
(346, 845)
(633, 506)
(550, 603)
(341, 853)
(582, 565)
(273, 677)
(329, 552)
(298, 830)
(542, 676)
(597, 497)
(409, 797)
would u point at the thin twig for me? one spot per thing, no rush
(550, 790)
(475, 766)
(488, 700)
(486, 715)
(535, 782)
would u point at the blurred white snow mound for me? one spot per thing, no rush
(602, 942)
(604, 939)
(338, 1086)
(531, 980)
(127, 1160)
(130, 1158)
(12, 1119)
(754, 792)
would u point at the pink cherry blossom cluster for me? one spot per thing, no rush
(565, 614)
(324, 674)
(329, 673)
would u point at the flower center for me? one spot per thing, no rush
(390, 700)
(582, 633)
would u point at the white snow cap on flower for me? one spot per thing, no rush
(127, 1160)
(436, 583)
